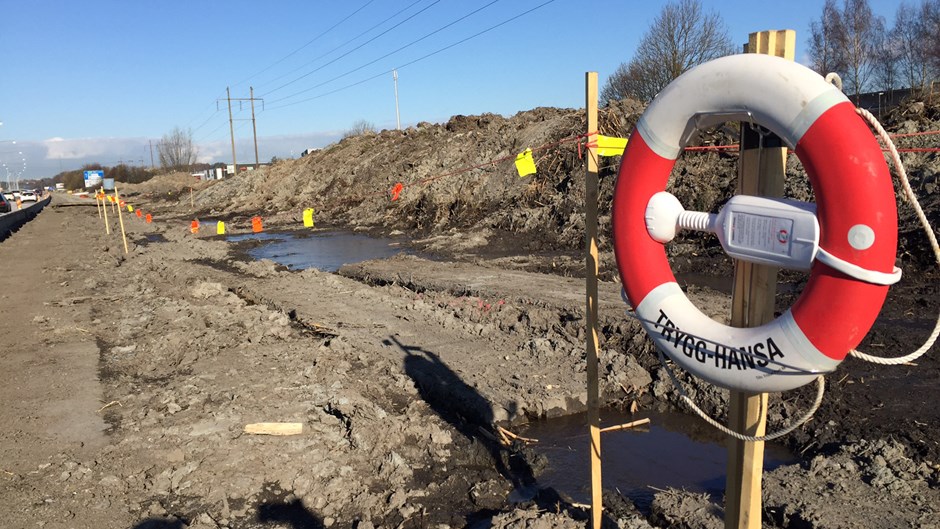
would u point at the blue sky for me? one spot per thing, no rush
(97, 80)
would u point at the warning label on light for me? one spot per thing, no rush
(761, 233)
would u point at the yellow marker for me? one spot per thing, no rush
(220, 228)
(525, 164)
(610, 146)
(308, 218)
(130, 208)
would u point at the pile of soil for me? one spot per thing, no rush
(133, 375)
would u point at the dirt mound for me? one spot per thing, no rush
(460, 176)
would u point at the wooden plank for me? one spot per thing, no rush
(590, 273)
(275, 428)
(117, 200)
(761, 171)
(625, 426)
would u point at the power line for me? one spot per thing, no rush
(315, 59)
(199, 114)
(409, 63)
(438, 30)
(354, 49)
(311, 41)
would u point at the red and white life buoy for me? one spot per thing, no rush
(855, 208)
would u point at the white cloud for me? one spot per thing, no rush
(51, 156)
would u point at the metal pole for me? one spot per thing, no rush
(231, 129)
(397, 116)
(254, 130)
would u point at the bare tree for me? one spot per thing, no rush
(177, 150)
(930, 11)
(358, 128)
(862, 32)
(888, 62)
(907, 34)
(846, 41)
(825, 35)
(681, 37)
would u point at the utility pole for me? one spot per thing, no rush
(254, 130)
(397, 116)
(231, 122)
(231, 128)
(151, 155)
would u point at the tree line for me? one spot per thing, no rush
(847, 39)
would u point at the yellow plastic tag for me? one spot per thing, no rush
(308, 218)
(610, 146)
(525, 164)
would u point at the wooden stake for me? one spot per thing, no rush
(275, 428)
(107, 227)
(98, 204)
(590, 236)
(117, 200)
(761, 172)
(625, 426)
(192, 203)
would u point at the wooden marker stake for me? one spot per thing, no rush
(590, 274)
(98, 204)
(117, 200)
(761, 172)
(107, 227)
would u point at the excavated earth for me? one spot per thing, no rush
(130, 376)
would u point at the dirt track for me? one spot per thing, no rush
(130, 380)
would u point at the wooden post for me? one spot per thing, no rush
(98, 204)
(761, 171)
(590, 274)
(107, 227)
(192, 203)
(117, 200)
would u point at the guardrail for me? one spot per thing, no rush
(10, 222)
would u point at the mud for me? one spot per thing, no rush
(131, 376)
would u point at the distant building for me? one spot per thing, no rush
(308, 151)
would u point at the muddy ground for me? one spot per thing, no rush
(130, 377)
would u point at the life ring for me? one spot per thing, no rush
(855, 208)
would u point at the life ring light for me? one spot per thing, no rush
(855, 209)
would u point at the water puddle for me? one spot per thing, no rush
(674, 450)
(325, 250)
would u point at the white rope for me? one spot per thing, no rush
(821, 385)
(902, 177)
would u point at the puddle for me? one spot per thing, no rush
(674, 450)
(326, 250)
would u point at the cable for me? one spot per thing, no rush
(409, 63)
(315, 59)
(350, 51)
(438, 30)
(311, 41)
